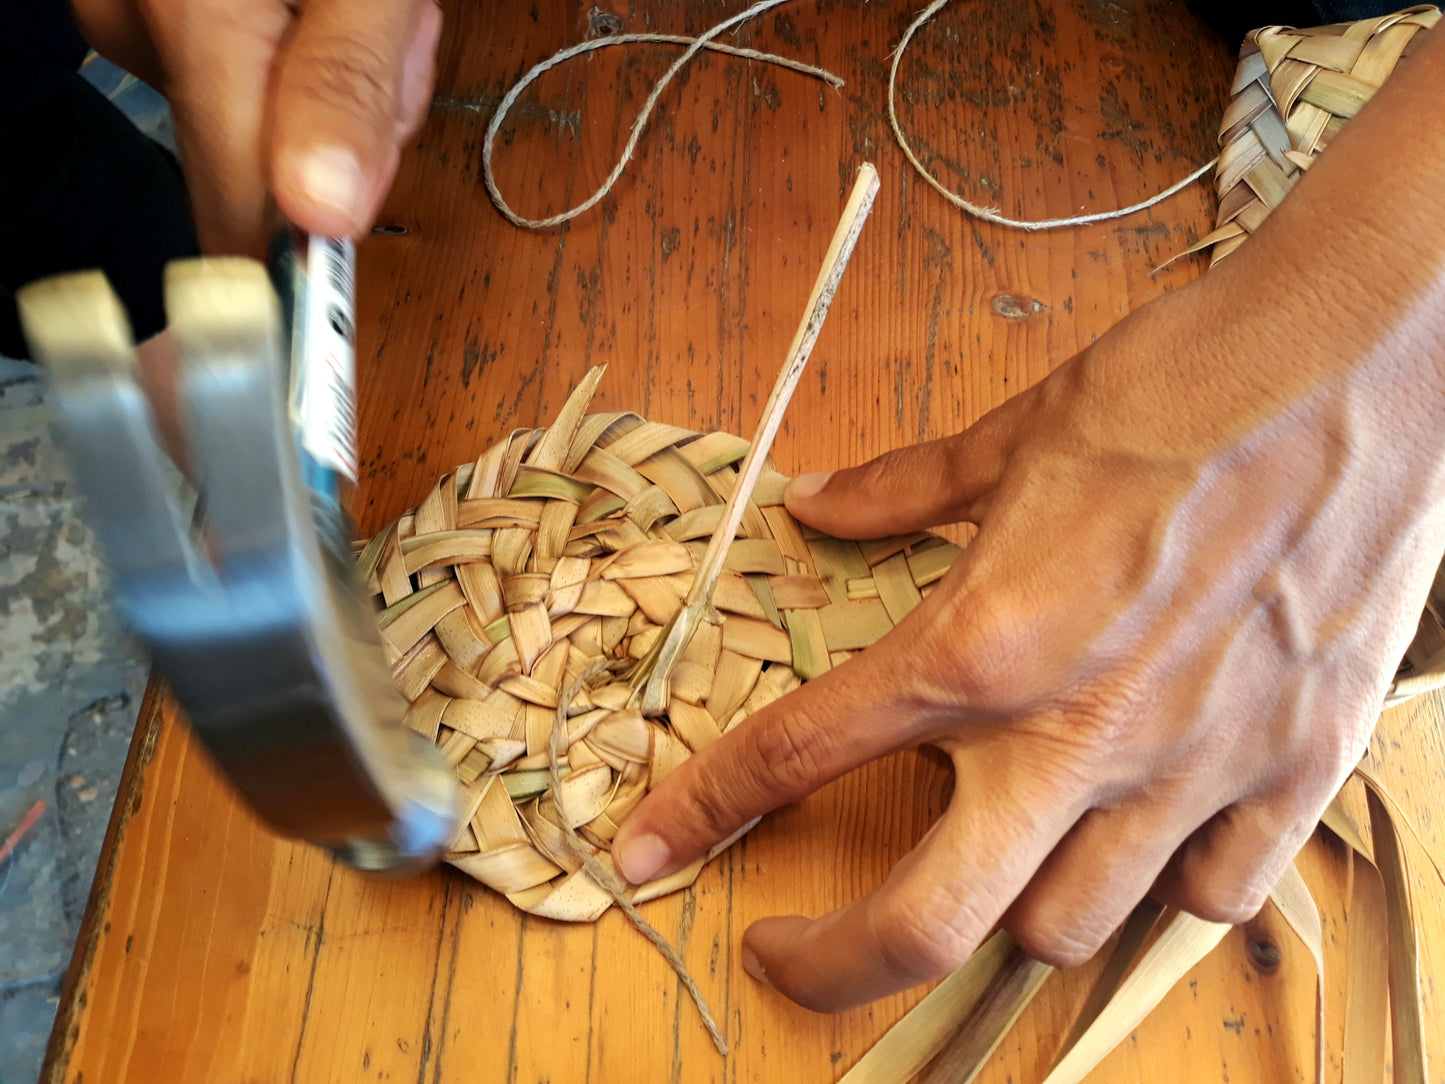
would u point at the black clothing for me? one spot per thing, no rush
(80, 186)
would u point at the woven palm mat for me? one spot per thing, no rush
(565, 548)
(1293, 92)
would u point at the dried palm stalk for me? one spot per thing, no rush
(1293, 92)
(564, 547)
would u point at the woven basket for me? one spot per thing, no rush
(1293, 92)
(566, 547)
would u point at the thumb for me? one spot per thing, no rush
(939, 481)
(345, 93)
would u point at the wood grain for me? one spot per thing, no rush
(214, 952)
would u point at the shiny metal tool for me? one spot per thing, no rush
(250, 606)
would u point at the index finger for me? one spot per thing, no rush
(879, 702)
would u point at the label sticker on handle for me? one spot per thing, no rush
(328, 394)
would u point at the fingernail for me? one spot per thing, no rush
(807, 485)
(640, 857)
(330, 177)
(754, 967)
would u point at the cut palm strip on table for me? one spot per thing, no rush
(1183, 941)
(1009, 993)
(1381, 922)
(1291, 898)
(1407, 1025)
(1133, 936)
(919, 1037)
(1367, 984)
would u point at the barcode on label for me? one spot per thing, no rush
(342, 420)
(338, 266)
(328, 423)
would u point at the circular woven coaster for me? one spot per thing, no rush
(564, 548)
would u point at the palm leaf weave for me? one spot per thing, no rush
(565, 547)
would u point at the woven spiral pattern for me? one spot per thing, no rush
(566, 547)
(1293, 92)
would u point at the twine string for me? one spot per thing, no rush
(694, 46)
(990, 214)
(705, 41)
(605, 878)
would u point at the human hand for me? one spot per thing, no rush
(308, 102)
(1152, 668)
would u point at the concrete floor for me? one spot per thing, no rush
(70, 688)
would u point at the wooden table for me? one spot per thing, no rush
(214, 952)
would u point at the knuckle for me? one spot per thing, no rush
(1232, 904)
(1217, 896)
(1228, 874)
(987, 636)
(922, 941)
(791, 758)
(713, 812)
(346, 74)
(1058, 942)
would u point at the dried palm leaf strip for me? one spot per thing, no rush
(1291, 898)
(1182, 943)
(1367, 989)
(910, 1045)
(653, 675)
(1011, 989)
(1407, 1023)
(953, 1031)
(1131, 940)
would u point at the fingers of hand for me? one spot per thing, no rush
(1225, 871)
(1092, 880)
(218, 62)
(116, 30)
(941, 481)
(353, 79)
(937, 905)
(778, 755)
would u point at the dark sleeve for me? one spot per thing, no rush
(80, 186)
(40, 34)
(1234, 19)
